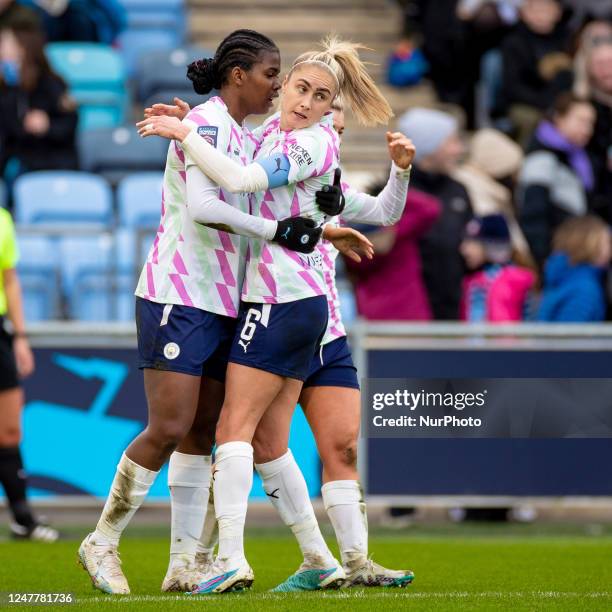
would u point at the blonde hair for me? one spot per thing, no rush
(580, 238)
(355, 85)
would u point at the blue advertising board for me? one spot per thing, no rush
(83, 408)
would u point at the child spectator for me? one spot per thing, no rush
(573, 277)
(407, 64)
(557, 176)
(497, 290)
(535, 65)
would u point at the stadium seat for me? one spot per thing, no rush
(169, 14)
(3, 195)
(134, 43)
(96, 77)
(63, 197)
(166, 70)
(39, 276)
(139, 200)
(117, 152)
(89, 276)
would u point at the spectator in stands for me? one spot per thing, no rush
(406, 65)
(439, 149)
(81, 20)
(16, 361)
(594, 82)
(497, 290)
(557, 177)
(489, 174)
(397, 264)
(573, 278)
(15, 15)
(536, 66)
(37, 116)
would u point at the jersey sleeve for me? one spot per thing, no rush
(311, 153)
(9, 254)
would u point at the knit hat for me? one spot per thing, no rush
(495, 153)
(494, 233)
(427, 128)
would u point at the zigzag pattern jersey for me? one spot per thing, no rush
(274, 274)
(190, 264)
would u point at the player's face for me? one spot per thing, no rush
(307, 96)
(263, 83)
(339, 121)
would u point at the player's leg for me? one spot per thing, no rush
(333, 413)
(12, 474)
(189, 472)
(286, 488)
(248, 393)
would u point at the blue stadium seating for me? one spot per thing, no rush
(135, 43)
(38, 269)
(96, 77)
(139, 200)
(117, 152)
(166, 70)
(63, 197)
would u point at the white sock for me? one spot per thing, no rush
(130, 486)
(232, 480)
(188, 479)
(343, 500)
(210, 532)
(286, 488)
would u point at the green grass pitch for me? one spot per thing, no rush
(457, 568)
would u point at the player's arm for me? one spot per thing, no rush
(260, 175)
(388, 206)
(205, 207)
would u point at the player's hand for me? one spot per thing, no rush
(349, 242)
(164, 126)
(401, 149)
(23, 356)
(178, 110)
(298, 234)
(330, 199)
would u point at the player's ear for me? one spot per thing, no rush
(237, 76)
(284, 85)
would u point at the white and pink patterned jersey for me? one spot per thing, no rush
(190, 264)
(275, 274)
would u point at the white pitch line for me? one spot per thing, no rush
(360, 594)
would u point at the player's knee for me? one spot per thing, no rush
(168, 435)
(343, 453)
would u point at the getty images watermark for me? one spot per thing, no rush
(487, 408)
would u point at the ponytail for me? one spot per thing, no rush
(356, 86)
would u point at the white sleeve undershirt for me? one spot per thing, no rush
(224, 171)
(387, 207)
(205, 207)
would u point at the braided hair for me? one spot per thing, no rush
(240, 48)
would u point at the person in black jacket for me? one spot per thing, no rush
(438, 151)
(38, 118)
(536, 67)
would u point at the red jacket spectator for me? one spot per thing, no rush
(399, 268)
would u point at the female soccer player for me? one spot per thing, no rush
(186, 308)
(16, 361)
(330, 392)
(284, 310)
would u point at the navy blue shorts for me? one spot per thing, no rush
(183, 339)
(333, 366)
(280, 338)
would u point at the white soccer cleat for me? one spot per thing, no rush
(102, 563)
(182, 576)
(226, 577)
(38, 533)
(371, 574)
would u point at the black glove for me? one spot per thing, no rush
(330, 199)
(298, 234)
